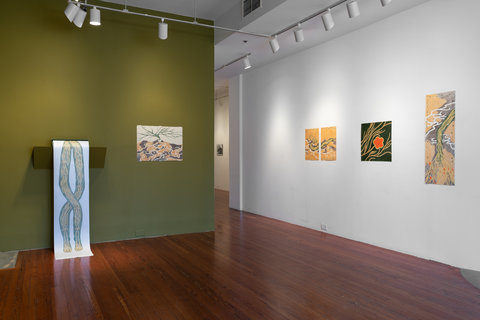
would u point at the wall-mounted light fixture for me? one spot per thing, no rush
(298, 32)
(246, 63)
(71, 11)
(95, 17)
(80, 17)
(327, 19)
(163, 30)
(274, 45)
(385, 2)
(245, 59)
(353, 9)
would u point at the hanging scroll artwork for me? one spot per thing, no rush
(440, 139)
(71, 230)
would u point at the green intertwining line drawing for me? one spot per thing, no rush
(72, 197)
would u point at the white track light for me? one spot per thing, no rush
(95, 17)
(274, 44)
(328, 22)
(71, 11)
(163, 30)
(80, 18)
(385, 2)
(298, 32)
(353, 9)
(246, 63)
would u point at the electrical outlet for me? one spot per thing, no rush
(323, 227)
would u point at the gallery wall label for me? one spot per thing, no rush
(71, 199)
(376, 144)
(312, 144)
(329, 144)
(157, 143)
(440, 139)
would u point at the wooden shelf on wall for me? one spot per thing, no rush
(43, 157)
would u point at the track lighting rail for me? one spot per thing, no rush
(76, 12)
(84, 4)
(328, 22)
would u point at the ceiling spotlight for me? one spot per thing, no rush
(274, 44)
(163, 30)
(80, 18)
(353, 9)
(95, 17)
(298, 32)
(246, 63)
(385, 2)
(71, 11)
(327, 19)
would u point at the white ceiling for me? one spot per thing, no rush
(206, 9)
(282, 14)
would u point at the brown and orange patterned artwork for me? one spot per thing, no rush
(329, 144)
(311, 144)
(157, 143)
(440, 139)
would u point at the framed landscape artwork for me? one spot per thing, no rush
(157, 143)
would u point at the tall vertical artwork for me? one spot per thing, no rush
(71, 223)
(311, 144)
(329, 144)
(440, 139)
(157, 143)
(376, 144)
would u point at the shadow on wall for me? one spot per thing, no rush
(35, 191)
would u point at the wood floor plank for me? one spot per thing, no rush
(251, 267)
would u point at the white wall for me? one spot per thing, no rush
(381, 72)
(235, 112)
(221, 136)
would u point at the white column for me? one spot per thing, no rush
(236, 141)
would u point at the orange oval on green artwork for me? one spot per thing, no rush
(378, 142)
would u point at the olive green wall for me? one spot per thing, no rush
(99, 83)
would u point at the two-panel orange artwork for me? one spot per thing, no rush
(324, 148)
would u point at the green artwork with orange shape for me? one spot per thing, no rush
(376, 142)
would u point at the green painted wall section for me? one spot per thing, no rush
(99, 83)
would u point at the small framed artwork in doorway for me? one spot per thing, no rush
(219, 149)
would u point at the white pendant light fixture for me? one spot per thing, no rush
(246, 63)
(95, 17)
(274, 44)
(353, 9)
(71, 11)
(385, 2)
(163, 30)
(327, 19)
(80, 18)
(298, 32)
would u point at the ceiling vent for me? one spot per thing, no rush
(250, 5)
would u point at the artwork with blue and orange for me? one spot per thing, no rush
(157, 143)
(440, 139)
(311, 144)
(376, 144)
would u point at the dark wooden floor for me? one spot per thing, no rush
(250, 268)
